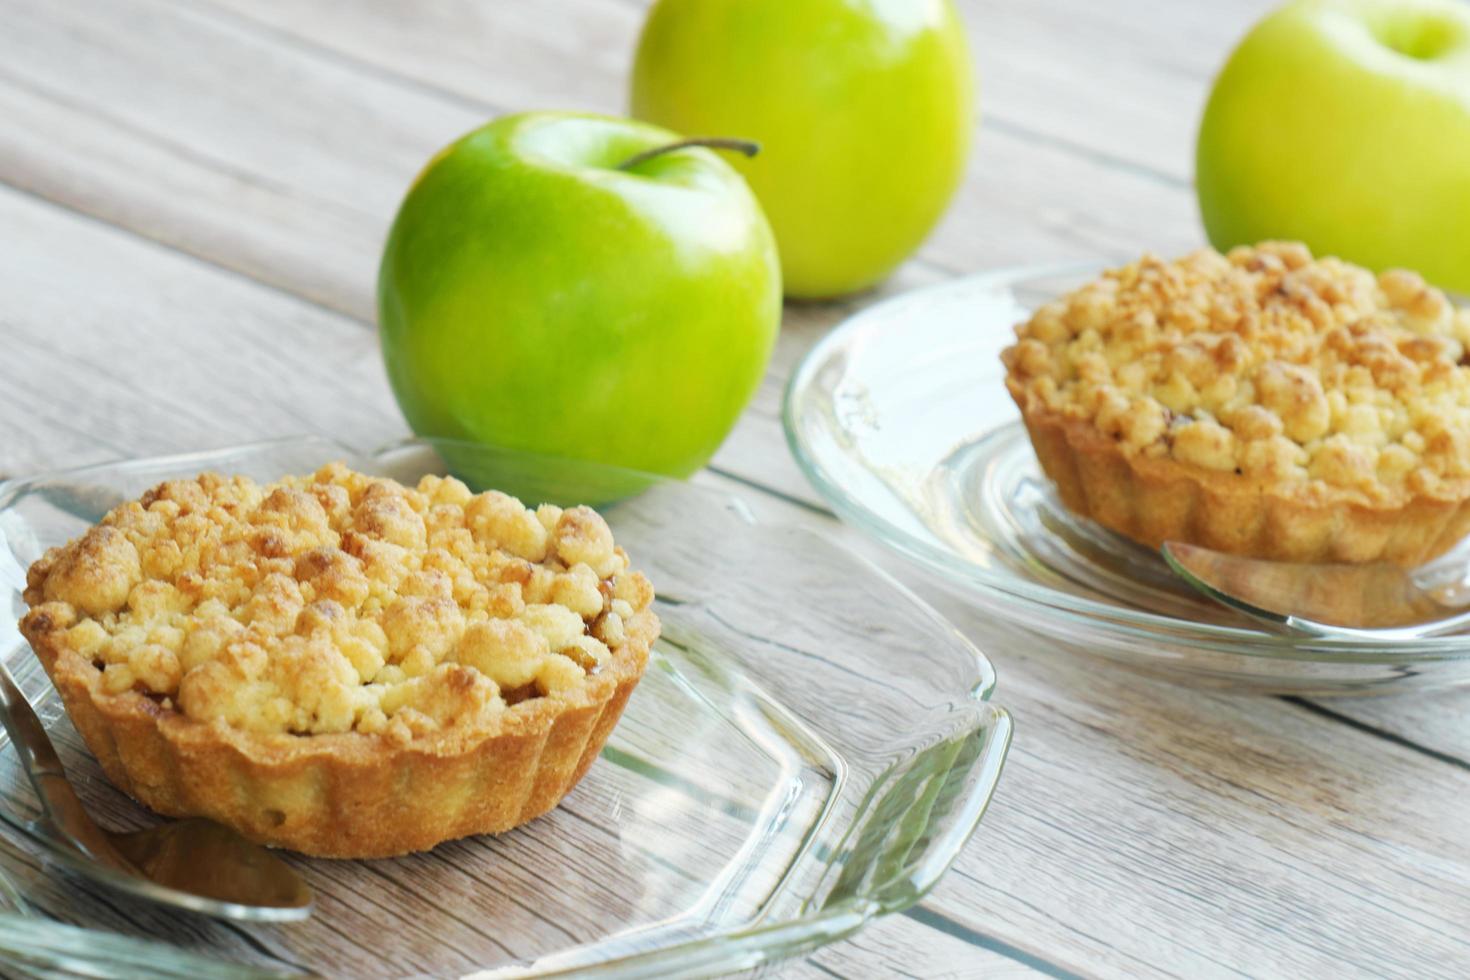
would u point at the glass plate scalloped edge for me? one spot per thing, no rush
(883, 824)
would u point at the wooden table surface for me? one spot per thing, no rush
(192, 200)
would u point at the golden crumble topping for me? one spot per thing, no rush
(340, 602)
(1264, 362)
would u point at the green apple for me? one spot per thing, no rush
(863, 109)
(539, 293)
(1346, 124)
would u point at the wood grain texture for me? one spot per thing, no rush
(250, 154)
(902, 946)
(1272, 823)
(1040, 200)
(122, 348)
(1144, 829)
(1121, 82)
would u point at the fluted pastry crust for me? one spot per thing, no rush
(1157, 499)
(338, 664)
(347, 795)
(1262, 403)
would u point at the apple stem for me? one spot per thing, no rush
(747, 147)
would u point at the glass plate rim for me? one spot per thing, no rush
(1126, 624)
(736, 948)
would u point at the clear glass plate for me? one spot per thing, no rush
(901, 419)
(810, 748)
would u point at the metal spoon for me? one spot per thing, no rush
(1369, 601)
(193, 864)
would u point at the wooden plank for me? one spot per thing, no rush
(120, 348)
(1408, 718)
(1166, 811)
(127, 113)
(1123, 82)
(904, 946)
(67, 153)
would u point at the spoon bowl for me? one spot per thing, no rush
(193, 864)
(1365, 601)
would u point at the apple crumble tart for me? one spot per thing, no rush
(1263, 402)
(338, 664)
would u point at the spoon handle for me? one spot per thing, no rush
(62, 807)
(26, 732)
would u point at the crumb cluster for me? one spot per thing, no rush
(340, 602)
(1264, 362)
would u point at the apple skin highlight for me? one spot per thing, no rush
(1346, 124)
